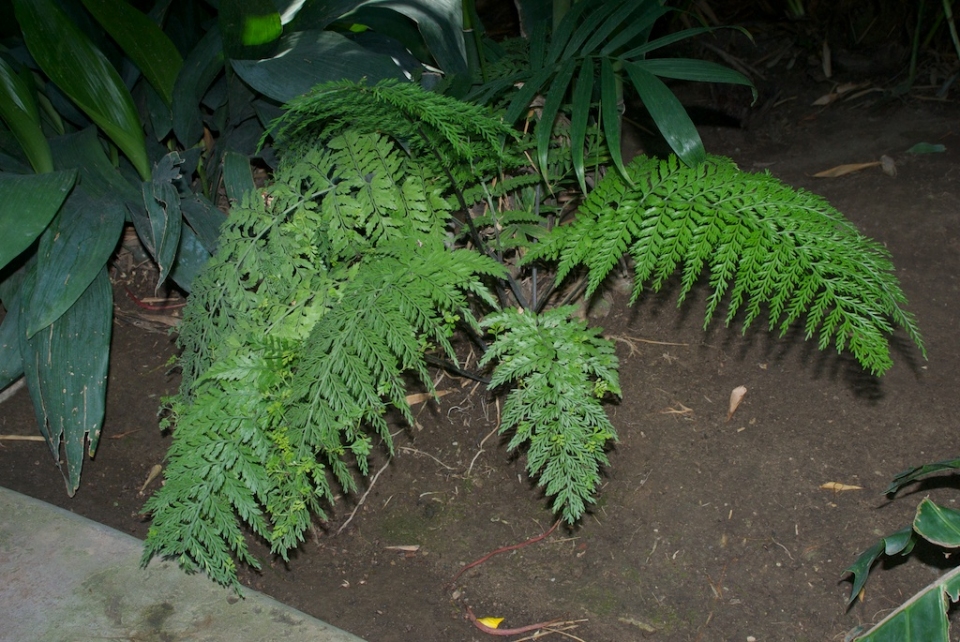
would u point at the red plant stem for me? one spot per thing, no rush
(505, 632)
(147, 306)
(513, 547)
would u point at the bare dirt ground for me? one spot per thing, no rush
(705, 529)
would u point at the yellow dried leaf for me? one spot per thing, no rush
(838, 487)
(492, 622)
(420, 397)
(842, 170)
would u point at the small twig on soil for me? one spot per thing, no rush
(147, 306)
(21, 438)
(363, 498)
(420, 452)
(507, 632)
(513, 547)
(568, 625)
(123, 434)
(482, 441)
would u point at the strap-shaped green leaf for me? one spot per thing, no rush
(696, 70)
(588, 28)
(72, 251)
(142, 40)
(84, 74)
(611, 94)
(237, 178)
(551, 105)
(659, 43)
(522, 99)
(18, 110)
(938, 524)
(580, 110)
(162, 203)
(66, 370)
(922, 618)
(901, 541)
(669, 115)
(562, 34)
(613, 23)
(11, 360)
(639, 27)
(913, 474)
(27, 205)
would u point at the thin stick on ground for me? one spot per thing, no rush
(507, 632)
(21, 438)
(504, 549)
(363, 498)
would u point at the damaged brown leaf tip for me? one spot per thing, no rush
(736, 396)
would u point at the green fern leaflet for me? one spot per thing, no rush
(766, 245)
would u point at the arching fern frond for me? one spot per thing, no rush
(561, 369)
(765, 245)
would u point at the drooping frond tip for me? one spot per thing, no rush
(765, 246)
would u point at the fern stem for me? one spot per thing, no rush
(452, 367)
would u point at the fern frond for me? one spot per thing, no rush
(560, 369)
(767, 246)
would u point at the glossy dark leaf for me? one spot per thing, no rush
(27, 205)
(66, 369)
(250, 28)
(142, 41)
(938, 524)
(84, 151)
(913, 474)
(639, 27)
(669, 115)
(580, 111)
(695, 70)
(551, 106)
(18, 110)
(611, 95)
(306, 59)
(590, 27)
(72, 251)
(162, 203)
(237, 178)
(200, 68)
(901, 541)
(78, 68)
(11, 361)
(204, 218)
(191, 257)
(441, 23)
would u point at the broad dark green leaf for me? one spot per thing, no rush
(78, 68)
(249, 28)
(611, 94)
(142, 41)
(162, 203)
(922, 618)
(913, 474)
(938, 524)
(308, 58)
(901, 541)
(551, 105)
(200, 68)
(66, 369)
(18, 109)
(441, 23)
(192, 256)
(27, 205)
(580, 111)
(317, 14)
(669, 115)
(72, 251)
(237, 178)
(84, 151)
(696, 70)
(204, 218)
(11, 360)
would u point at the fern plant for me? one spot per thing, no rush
(395, 217)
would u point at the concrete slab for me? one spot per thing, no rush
(65, 578)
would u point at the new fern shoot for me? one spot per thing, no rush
(397, 216)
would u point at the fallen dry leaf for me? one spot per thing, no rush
(404, 548)
(838, 487)
(420, 397)
(736, 396)
(154, 472)
(842, 170)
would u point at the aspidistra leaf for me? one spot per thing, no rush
(938, 524)
(27, 205)
(84, 74)
(66, 370)
(18, 110)
(142, 41)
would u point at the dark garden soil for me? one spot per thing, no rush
(705, 529)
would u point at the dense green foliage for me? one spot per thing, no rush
(373, 245)
(768, 247)
(925, 616)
